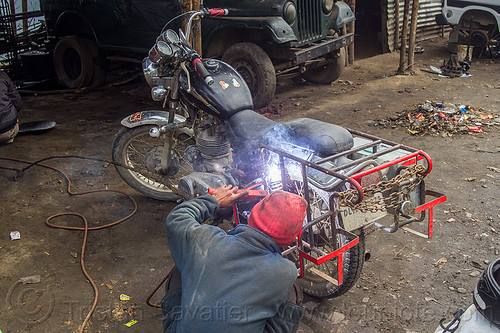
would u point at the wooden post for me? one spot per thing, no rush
(396, 24)
(25, 10)
(186, 7)
(197, 28)
(12, 13)
(347, 58)
(413, 33)
(402, 51)
(352, 29)
(384, 20)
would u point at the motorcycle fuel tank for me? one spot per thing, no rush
(228, 94)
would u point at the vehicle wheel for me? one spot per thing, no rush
(353, 259)
(329, 72)
(257, 70)
(99, 64)
(73, 62)
(135, 148)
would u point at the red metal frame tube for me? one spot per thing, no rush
(397, 161)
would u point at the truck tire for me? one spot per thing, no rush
(73, 62)
(329, 72)
(256, 68)
(99, 64)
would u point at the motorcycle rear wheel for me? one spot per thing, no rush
(135, 148)
(353, 258)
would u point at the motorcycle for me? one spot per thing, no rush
(210, 136)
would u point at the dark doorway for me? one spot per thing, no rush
(367, 40)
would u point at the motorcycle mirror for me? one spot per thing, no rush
(184, 39)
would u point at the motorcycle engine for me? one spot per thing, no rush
(212, 152)
(211, 158)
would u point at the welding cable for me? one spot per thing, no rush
(86, 228)
(20, 172)
(148, 300)
(82, 262)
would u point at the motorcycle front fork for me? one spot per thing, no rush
(172, 100)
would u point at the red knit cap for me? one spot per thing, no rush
(280, 215)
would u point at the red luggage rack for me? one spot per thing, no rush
(374, 144)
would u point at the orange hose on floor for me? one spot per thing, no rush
(86, 228)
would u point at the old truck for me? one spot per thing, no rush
(260, 38)
(474, 22)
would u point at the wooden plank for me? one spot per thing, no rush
(415, 232)
(324, 275)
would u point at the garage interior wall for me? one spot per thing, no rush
(426, 24)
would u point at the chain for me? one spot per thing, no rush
(371, 203)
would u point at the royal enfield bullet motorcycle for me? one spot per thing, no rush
(208, 135)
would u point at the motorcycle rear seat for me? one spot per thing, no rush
(250, 128)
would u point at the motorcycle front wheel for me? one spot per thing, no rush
(352, 260)
(135, 148)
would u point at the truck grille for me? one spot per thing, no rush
(309, 19)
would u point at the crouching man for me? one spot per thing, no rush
(10, 104)
(234, 282)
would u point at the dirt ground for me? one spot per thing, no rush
(407, 285)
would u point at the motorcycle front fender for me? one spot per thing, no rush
(150, 117)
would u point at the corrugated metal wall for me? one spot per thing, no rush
(426, 25)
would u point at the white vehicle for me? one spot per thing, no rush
(480, 19)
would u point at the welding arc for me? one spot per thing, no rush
(86, 228)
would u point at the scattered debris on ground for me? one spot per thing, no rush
(271, 110)
(445, 119)
(453, 68)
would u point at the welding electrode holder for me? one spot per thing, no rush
(250, 196)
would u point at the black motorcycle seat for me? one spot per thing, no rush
(324, 138)
(250, 128)
(249, 125)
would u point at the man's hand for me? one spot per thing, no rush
(226, 195)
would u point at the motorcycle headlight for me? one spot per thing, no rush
(150, 71)
(327, 6)
(290, 13)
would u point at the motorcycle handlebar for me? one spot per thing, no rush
(203, 12)
(200, 68)
(214, 12)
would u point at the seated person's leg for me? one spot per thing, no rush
(171, 302)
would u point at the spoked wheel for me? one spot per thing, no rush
(135, 148)
(313, 283)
